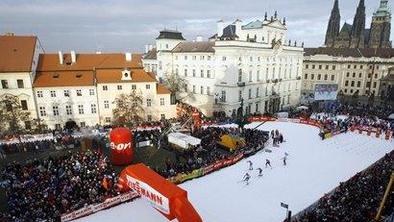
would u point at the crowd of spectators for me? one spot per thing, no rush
(356, 199)
(209, 151)
(42, 190)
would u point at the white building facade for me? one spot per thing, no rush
(18, 68)
(252, 66)
(356, 71)
(82, 88)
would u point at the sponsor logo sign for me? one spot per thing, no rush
(158, 200)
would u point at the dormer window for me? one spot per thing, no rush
(126, 74)
(78, 75)
(55, 75)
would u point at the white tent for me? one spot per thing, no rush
(391, 116)
(183, 140)
(302, 108)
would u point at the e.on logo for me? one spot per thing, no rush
(120, 146)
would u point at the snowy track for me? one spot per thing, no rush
(314, 168)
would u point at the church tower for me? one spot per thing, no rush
(381, 27)
(333, 26)
(358, 27)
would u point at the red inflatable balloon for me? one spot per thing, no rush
(121, 146)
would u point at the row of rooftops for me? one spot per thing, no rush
(71, 69)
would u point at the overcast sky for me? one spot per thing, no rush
(127, 25)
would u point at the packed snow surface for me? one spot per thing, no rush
(314, 167)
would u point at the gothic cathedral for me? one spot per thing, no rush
(356, 35)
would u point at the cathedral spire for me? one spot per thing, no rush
(358, 27)
(333, 25)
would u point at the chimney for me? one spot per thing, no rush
(146, 49)
(73, 57)
(128, 56)
(60, 57)
(199, 38)
(220, 27)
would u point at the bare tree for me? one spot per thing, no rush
(175, 83)
(39, 126)
(129, 110)
(12, 115)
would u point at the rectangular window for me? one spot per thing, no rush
(240, 75)
(28, 125)
(119, 87)
(93, 108)
(42, 111)
(202, 90)
(319, 77)
(4, 84)
(107, 119)
(149, 117)
(250, 93)
(24, 105)
(223, 96)
(258, 75)
(250, 76)
(105, 88)
(306, 66)
(202, 73)
(306, 76)
(352, 84)
(79, 92)
(326, 66)
(374, 85)
(333, 67)
(53, 93)
(208, 90)
(224, 58)
(360, 75)
(148, 102)
(69, 110)
(55, 110)
(326, 77)
(91, 92)
(163, 116)
(358, 84)
(332, 77)
(20, 83)
(257, 92)
(82, 124)
(162, 102)
(194, 72)
(133, 87)
(40, 94)
(208, 58)
(185, 72)
(240, 96)
(67, 93)
(80, 109)
(194, 89)
(106, 104)
(312, 76)
(147, 86)
(347, 83)
(208, 73)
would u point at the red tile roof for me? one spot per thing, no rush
(64, 78)
(115, 76)
(16, 53)
(161, 89)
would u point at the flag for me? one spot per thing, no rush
(284, 205)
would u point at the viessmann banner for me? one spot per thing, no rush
(326, 91)
(158, 200)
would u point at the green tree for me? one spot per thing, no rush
(128, 111)
(12, 115)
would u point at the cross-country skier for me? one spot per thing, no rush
(246, 178)
(260, 172)
(250, 165)
(267, 163)
(284, 160)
